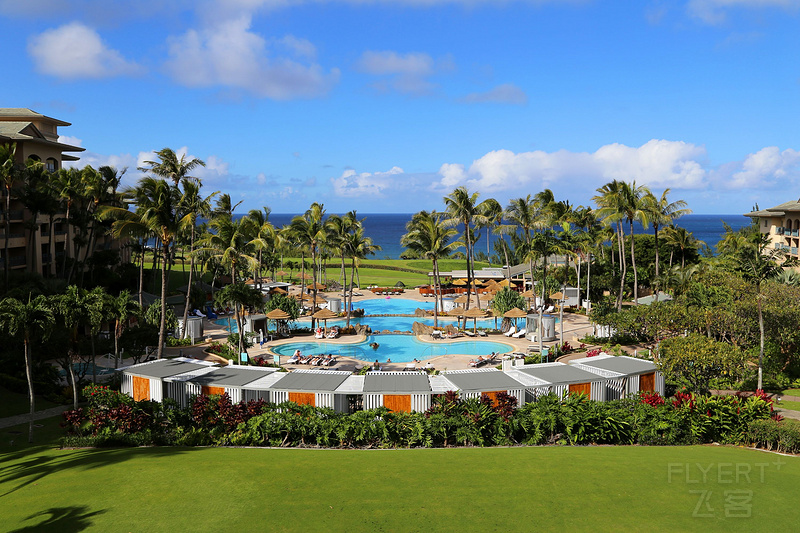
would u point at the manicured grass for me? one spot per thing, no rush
(500, 489)
(791, 392)
(786, 404)
(12, 403)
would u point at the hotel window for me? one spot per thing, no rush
(52, 164)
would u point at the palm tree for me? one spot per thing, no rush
(429, 237)
(224, 206)
(261, 228)
(157, 205)
(462, 208)
(193, 205)
(611, 202)
(67, 183)
(121, 309)
(239, 296)
(230, 242)
(75, 308)
(758, 264)
(310, 232)
(491, 217)
(357, 246)
(170, 166)
(662, 212)
(635, 211)
(9, 173)
(683, 240)
(33, 320)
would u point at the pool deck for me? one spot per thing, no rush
(575, 326)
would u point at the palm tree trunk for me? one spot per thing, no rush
(635, 273)
(66, 241)
(72, 378)
(623, 264)
(31, 397)
(52, 247)
(189, 285)
(116, 342)
(350, 288)
(761, 340)
(469, 253)
(6, 261)
(655, 231)
(437, 290)
(141, 276)
(162, 328)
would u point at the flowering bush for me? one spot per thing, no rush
(593, 353)
(653, 399)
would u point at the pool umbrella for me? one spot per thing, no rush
(487, 297)
(281, 273)
(475, 313)
(324, 315)
(461, 299)
(278, 290)
(457, 312)
(319, 286)
(278, 314)
(460, 282)
(515, 313)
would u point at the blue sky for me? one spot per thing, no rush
(387, 105)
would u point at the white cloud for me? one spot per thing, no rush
(230, 55)
(351, 184)
(72, 141)
(764, 168)
(405, 73)
(714, 11)
(507, 93)
(76, 51)
(657, 163)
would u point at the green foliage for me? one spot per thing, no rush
(783, 437)
(153, 316)
(506, 300)
(693, 361)
(285, 303)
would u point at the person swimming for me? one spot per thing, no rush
(374, 345)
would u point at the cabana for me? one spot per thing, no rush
(310, 387)
(558, 378)
(145, 381)
(260, 388)
(487, 382)
(626, 375)
(397, 391)
(230, 380)
(350, 395)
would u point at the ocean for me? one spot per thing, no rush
(385, 229)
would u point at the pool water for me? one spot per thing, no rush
(391, 305)
(87, 367)
(398, 348)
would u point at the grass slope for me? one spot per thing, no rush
(13, 403)
(500, 489)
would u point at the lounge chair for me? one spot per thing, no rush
(550, 309)
(520, 334)
(482, 334)
(199, 313)
(511, 331)
(410, 366)
(468, 333)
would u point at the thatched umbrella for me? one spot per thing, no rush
(278, 290)
(475, 313)
(460, 281)
(461, 299)
(281, 273)
(456, 311)
(306, 275)
(515, 313)
(276, 315)
(324, 315)
(319, 286)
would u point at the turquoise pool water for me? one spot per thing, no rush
(391, 305)
(398, 348)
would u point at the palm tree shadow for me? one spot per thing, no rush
(61, 519)
(41, 466)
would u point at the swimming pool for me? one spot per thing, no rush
(390, 305)
(87, 368)
(398, 348)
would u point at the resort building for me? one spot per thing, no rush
(782, 224)
(600, 378)
(31, 247)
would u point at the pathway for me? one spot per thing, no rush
(38, 415)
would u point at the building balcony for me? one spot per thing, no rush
(17, 261)
(13, 215)
(15, 240)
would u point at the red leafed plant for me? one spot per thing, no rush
(593, 353)
(682, 398)
(653, 399)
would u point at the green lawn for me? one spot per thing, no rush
(791, 392)
(595, 488)
(786, 404)
(12, 403)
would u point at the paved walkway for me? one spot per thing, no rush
(38, 415)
